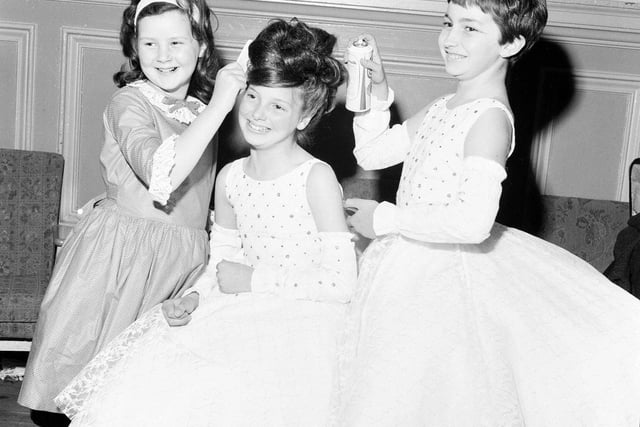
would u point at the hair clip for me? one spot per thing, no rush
(243, 58)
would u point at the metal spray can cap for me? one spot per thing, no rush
(361, 43)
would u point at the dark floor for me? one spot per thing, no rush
(14, 415)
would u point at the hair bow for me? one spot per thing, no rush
(176, 104)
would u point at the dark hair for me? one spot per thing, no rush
(199, 14)
(515, 18)
(292, 54)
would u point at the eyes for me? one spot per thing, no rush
(172, 43)
(447, 23)
(253, 97)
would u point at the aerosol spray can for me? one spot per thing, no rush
(359, 83)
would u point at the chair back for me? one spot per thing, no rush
(30, 188)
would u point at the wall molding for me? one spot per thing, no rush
(75, 43)
(594, 37)
(419, 7)
(24, 36)
(614, 16)
(627, 85)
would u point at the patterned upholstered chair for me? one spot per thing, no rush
(586, 227)
(30, 188)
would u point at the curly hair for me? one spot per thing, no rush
(199, 14)
(515, 18)
(292, 54)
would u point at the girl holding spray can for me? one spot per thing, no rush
(458, 320)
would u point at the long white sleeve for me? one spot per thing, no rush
(332, 279)
(467, 218)
(377, 145)
(225, 243)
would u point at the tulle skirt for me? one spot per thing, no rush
(243, 360)
(512, 332)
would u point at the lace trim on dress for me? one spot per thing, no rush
(160, 186)
(164, 159)
(77, 393)
(182, 111)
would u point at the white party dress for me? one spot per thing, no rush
(261, 358)
(460, 322)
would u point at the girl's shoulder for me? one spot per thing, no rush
(470, 111)
(491, 129)
(313, 170)
(130, 103)
(128, 95)
(488, 103)
(319, 170)
(234, 167)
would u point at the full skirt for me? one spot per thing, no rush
(243, 360)
(511, 332)
(110, 270)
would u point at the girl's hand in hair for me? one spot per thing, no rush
(230, 80)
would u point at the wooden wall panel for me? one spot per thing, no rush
(17, 42)
(88, 57)
(573, 158)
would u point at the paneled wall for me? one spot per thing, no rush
(576, 97)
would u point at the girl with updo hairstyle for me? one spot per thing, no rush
(255, 341)
(291, 54)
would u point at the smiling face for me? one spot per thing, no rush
(271, 115)
(167, 51)
(469, 43)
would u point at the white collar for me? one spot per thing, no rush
(183, 111)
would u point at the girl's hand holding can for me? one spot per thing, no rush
(374, 65)
(366, 73)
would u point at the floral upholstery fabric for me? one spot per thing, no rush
(586, 227)
(30, 186)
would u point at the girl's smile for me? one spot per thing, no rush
(257, 128)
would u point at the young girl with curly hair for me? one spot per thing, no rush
(146, 240)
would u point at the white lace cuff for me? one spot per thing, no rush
(164, 160)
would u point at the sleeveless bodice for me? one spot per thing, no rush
(282, 232)
(431, 170)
